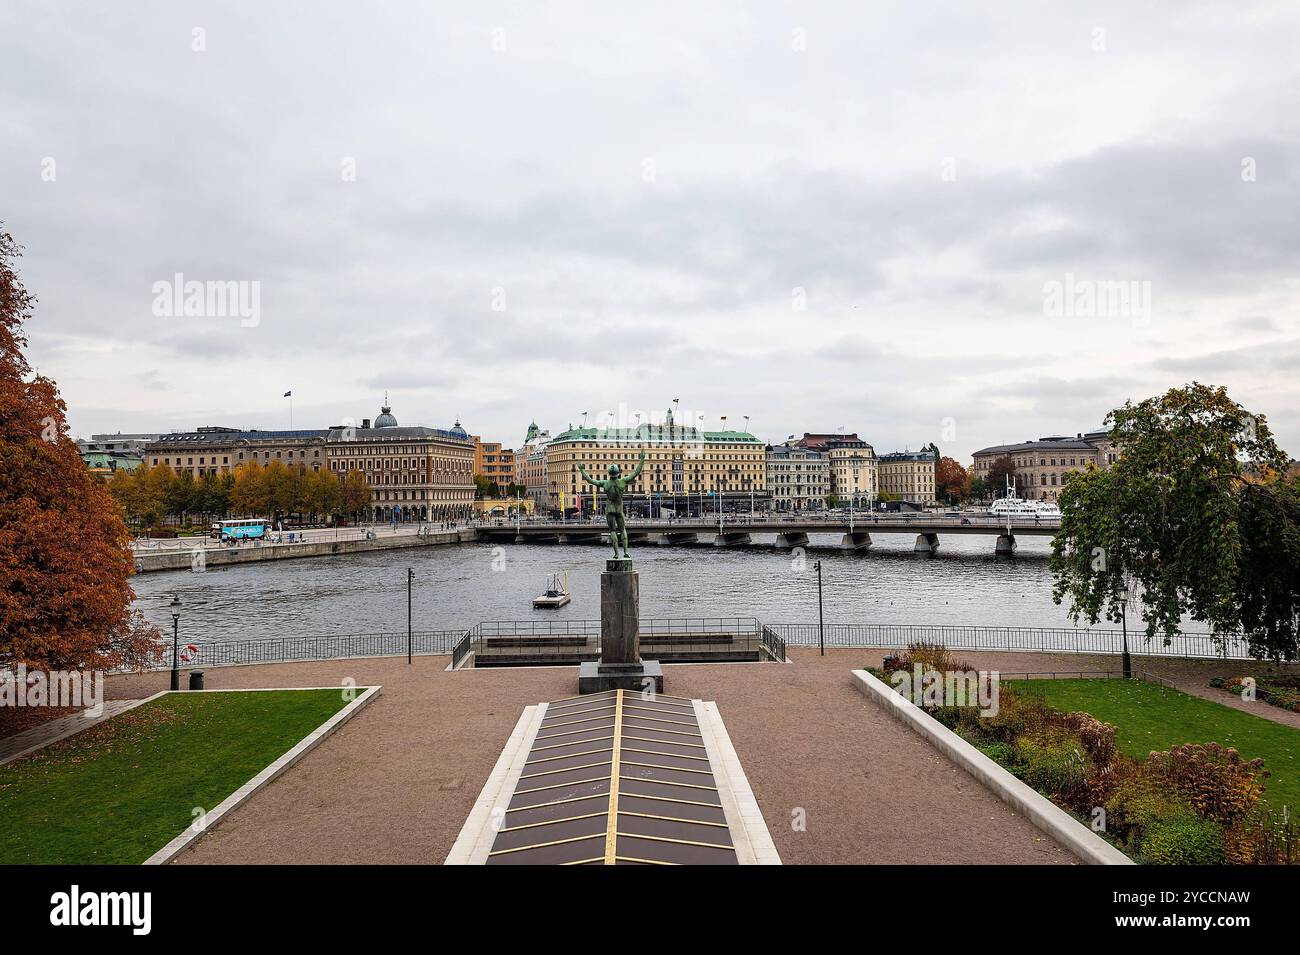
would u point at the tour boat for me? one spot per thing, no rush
(1015, 506)
(557, 593)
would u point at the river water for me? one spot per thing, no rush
(457, 586)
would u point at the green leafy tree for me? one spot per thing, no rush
(1191, 521)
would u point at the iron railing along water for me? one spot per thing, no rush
(314, 647)
(1023, 639)
(660, 633)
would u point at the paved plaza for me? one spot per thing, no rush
(837, 780)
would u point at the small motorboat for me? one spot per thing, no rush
(556, 593)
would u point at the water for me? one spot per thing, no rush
(457, 586)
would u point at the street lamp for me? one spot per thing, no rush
(821, 625)
(176, 641)
(410, 577)
(1126, 661)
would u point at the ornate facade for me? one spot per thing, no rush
(415, 474)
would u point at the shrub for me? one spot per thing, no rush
(1001, 753)
(1138, 803)
(1214, 780)
(1054, 762)
(1184, 840)
(931, 656)
(1098, 738)
(1019, 714)
(1263, 837)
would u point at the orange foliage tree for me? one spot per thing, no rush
(65, 554)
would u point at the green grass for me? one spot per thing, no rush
(1148, 716)
(119, 791)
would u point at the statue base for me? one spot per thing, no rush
(620, 666)
(644, 677)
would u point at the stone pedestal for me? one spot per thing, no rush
(620, 613)
(620, 666)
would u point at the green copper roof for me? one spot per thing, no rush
(656, 433)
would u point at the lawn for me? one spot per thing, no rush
(1148, 716)
(119, 791)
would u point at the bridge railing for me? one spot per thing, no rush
(1031, 639)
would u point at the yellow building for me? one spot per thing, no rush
(909, 476)
(686, 469)
(494, 462)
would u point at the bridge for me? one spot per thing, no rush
(789, 531)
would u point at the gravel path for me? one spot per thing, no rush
(838, 780)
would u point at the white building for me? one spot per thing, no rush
(798, 479)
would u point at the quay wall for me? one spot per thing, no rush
(182, 558)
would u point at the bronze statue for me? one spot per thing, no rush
(614, 489)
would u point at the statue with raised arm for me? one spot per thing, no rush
(614, 488)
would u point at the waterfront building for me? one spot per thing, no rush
(909, 476)
(107, 453)
(687, 469)
(853, 465)
(494, 462)
(218, 450)
(415, 473)
(798, 479)
(530, 464)
(1042, 466)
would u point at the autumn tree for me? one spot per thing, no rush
(65, 555)
(355, 494)
(1191, 521)
(951, 481)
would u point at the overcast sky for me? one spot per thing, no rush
(817, 215)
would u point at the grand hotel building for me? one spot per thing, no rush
(686, 469)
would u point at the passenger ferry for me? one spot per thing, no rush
(1015, 506)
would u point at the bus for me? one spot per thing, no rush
(244, 529)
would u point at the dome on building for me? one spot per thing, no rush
(458, 431)
(385, 419)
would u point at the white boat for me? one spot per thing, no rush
(556, 594)
(1015, 506)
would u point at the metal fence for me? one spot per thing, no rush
(659, 633)
(663, 638)
(315, 647)
(1030, 639)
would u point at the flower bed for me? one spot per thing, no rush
(1193, 804)
(1279, 691)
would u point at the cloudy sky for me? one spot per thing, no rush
(886, 217)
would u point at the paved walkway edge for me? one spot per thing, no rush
(754, 845)
(1036, 807)
(304, 746)
(75, 726)
(480, 830)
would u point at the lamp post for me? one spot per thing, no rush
(410, 577)
(821, 625)
(1126, 661)
(176, 641)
